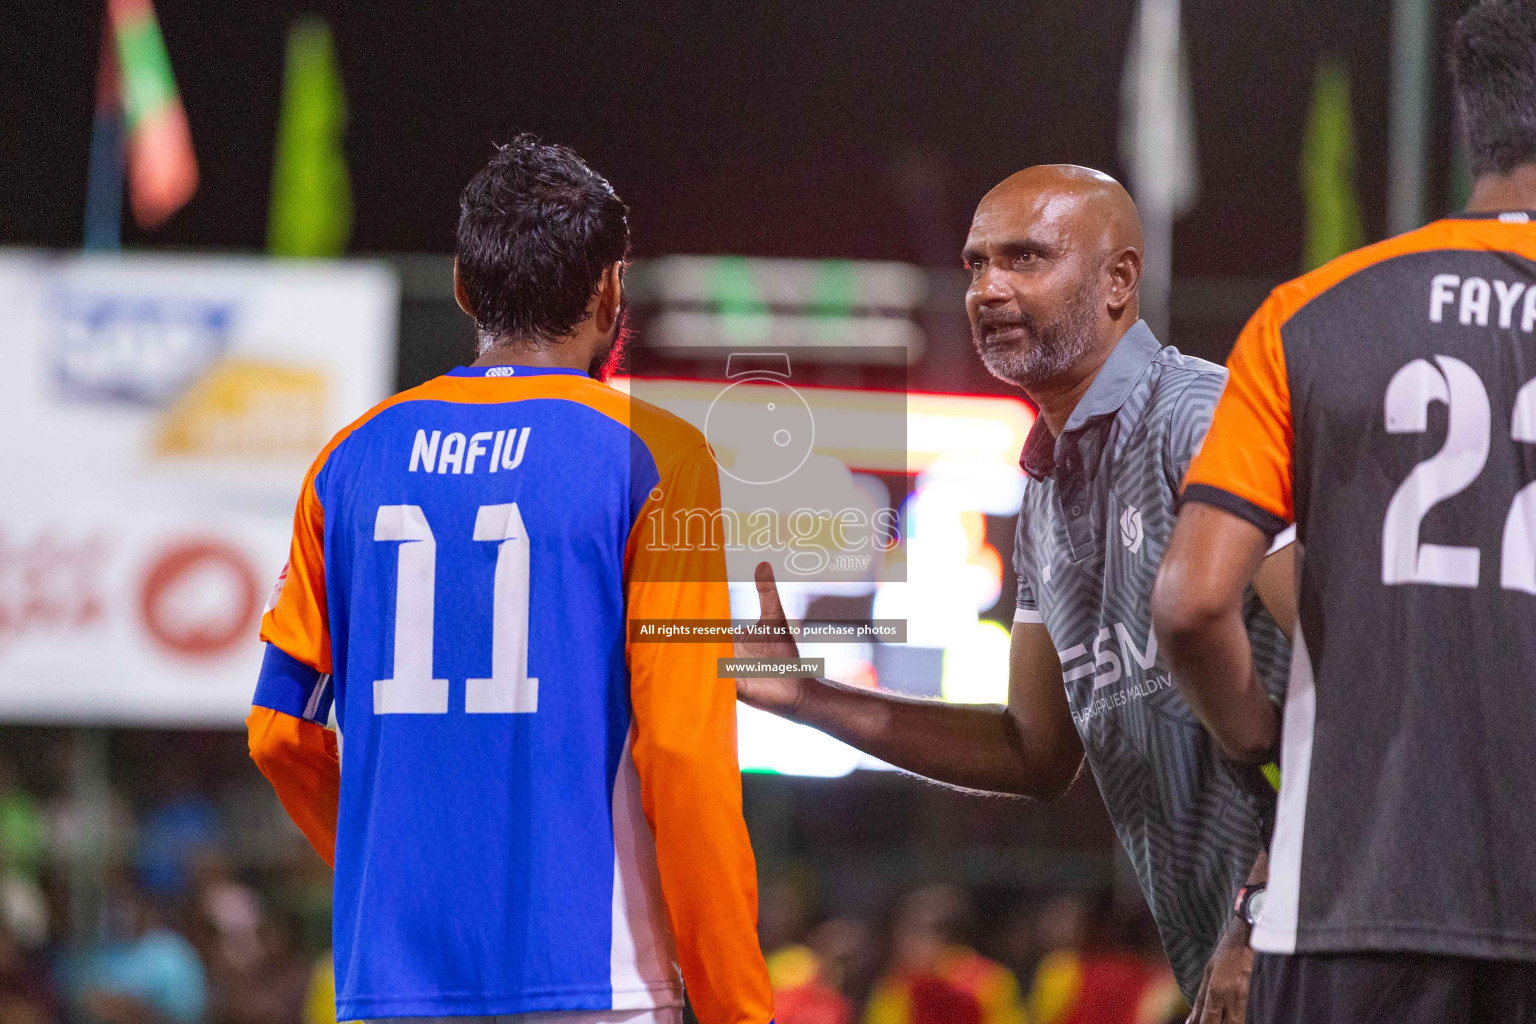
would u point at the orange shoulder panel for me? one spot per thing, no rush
(296, 620)
(1247, 452)
(1441, 234)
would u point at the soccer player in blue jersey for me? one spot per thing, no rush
(534, 820)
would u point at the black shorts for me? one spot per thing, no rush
(1390, 988)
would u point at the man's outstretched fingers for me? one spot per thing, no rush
(771, 609)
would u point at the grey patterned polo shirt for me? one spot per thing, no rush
(1099, 507)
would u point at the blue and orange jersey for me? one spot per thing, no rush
(528, 812)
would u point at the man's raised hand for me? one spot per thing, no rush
(771, 640)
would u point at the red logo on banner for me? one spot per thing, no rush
(51, 584)
(200, 599)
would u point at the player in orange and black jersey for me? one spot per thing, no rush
(1386, 404)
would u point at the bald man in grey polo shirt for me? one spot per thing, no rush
(1055, 259)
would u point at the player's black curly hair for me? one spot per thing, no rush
(537, 228)
(1493, 63)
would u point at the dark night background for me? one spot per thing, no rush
(796, 129)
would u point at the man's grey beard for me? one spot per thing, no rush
(1058, 346)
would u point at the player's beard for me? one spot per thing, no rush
(607, 359)
(1058, 343)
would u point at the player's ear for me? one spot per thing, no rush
(460, 295)
(610, 296)
(1124, 278)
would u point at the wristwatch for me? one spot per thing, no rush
(1250, 903)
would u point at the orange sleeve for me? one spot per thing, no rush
(299, 758)
(296, 618)
(1244, 467)
(296, 752)
(684, 750)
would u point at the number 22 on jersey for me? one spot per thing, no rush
(1449, 472)
(412, 690)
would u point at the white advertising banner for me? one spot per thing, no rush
(159, 414)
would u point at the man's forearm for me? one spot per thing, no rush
(1260, 871)
(1207, 656)
(974, 746)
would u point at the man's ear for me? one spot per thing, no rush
(1124, 279)
(460, 295)
(609, 298)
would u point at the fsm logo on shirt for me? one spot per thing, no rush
(1131, 534)
(1115, 657)
(1104, 664)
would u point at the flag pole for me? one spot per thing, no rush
(1157, 147)
(1157, 269)
(104, 177)
(1409, 138)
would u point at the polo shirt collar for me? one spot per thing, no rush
(1116, 379)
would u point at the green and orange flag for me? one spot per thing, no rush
(140, 128)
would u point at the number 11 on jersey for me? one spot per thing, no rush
(412, 690)
(509, 690)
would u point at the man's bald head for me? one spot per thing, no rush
(1095, 204)
(1055, 258)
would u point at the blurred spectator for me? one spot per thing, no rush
(23, 907)
(801, 993)
(784, 908)
(179, 827)
(302, 884)
(25, 995)
(140, 972)
(274, 988)
(1086, 978)
(229, 917)
(1161, 1001)
(933, 978)
(320, 1000)
(89, 825)
(845, 949)
(23, 832)
(255, 901)
(254, 823)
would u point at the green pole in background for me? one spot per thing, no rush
(1334, 222)
(311, 211)
(1412, 67)
(1461, 168)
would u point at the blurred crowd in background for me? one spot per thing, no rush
(158, 881)
(162, 897)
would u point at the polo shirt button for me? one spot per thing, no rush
(1077, 510)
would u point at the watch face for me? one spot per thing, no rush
(1256, 906)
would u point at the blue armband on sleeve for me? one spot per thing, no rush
(292, 687)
